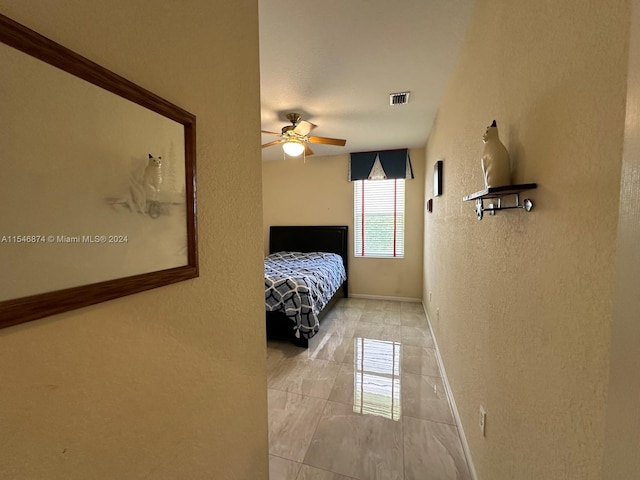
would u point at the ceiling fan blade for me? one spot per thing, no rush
(271, 133)
(304, 127)
(270, 144)
(307, 150)
(328, 141)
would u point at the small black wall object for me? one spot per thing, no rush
(437, 178)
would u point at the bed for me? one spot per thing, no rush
(294, 308)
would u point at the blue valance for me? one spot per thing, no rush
(382, 165)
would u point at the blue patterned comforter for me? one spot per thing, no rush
(300, 285)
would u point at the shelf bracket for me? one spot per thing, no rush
(527, 205)
(496, 195)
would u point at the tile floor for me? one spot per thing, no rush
(365, 401)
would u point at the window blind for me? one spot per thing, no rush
(379, 218)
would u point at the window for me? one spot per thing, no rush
(378, 207)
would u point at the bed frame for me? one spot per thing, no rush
(331, 239)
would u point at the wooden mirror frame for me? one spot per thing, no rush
(20, 310)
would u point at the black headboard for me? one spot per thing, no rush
(304, 238)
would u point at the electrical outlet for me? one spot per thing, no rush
(483, 420)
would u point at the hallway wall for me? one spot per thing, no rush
(521, 302)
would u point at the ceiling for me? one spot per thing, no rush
(336, 61)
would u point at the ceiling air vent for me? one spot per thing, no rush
(399, 98)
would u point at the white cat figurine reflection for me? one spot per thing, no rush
(496, 166)
(153, 173)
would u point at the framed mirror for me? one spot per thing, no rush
(98, 182)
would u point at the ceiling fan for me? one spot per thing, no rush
(295, 138)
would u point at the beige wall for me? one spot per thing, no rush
(169, 383)
(525, 299)
(316, 192)
(622, 440)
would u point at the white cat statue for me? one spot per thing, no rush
(496, 166)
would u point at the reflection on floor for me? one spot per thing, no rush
(376, 377)
(365, 401)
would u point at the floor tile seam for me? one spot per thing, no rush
(287, 459)
(442, 423)
(337, 362)
(414, 326)
(313, 435)
(315, 429)
(275, 368)
(347, 363)
(323, 360)
(333, 383)
(432, 421)
(298, 393)
(464, 457)
(348, 404)
(309, 396)
(358, 414)
(325, 470)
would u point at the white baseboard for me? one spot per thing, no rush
(452, 401)
(381, 297)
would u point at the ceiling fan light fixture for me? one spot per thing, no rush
(293, 148)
